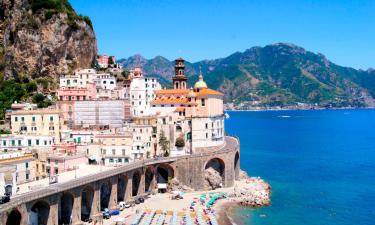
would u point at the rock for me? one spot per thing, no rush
(255, 193)
(212, 179)
(175, 185)
(37, 46)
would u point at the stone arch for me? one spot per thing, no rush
(66, 208)
(14, 217)
(164, 172)
(87, 199)
(105, 194)
(39, 213)
(149, 178)
(122, 183)
(136, 182)
(214, 173)
(237, 166)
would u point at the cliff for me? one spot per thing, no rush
(41, 38)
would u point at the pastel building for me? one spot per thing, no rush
(115, 148)
(45, 122)
(196, 115)
(59, 163)
(23, 164)
(8, 185)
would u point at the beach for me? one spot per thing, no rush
(242, 191)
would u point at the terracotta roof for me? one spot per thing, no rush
(172, 91)
(207, 91)
(169, 101)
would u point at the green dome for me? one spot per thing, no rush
(200, 83)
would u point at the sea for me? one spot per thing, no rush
(320, 164)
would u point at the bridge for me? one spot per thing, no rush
(84, 197)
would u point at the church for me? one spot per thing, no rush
(198, 112)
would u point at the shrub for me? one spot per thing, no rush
(180, 142)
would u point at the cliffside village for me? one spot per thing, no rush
(99, 122)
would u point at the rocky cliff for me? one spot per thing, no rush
(41, 38)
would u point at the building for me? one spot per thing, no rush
(80, 79)
(193, 119)
(99, 113)
(8, 185)
(141, 93)
(59, 163)
(103, 61)
(45, 122)
(25, 142)
(23, 164)
(115, 148)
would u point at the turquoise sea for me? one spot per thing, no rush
(320, 164)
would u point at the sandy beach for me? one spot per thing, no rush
(164, 203)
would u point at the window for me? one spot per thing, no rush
(13, 142)
(23, 119)
(45, 142)
(123, 152)
(37, 141)
(27, 176)
(56, 171)
(27, 165)
(119, 160)
(206, 135)
(104, 151)
(4, 143)
(19, 142)
(113, 152)
(51, 118)
(16, 119)
(33, 118)
(111, 160)
(206, 125)
(203, 101)
(29, 142)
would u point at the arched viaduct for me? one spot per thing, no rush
(84, 197)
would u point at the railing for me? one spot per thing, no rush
(59, 187)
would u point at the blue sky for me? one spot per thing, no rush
(342, 30)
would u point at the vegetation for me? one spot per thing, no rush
(180, 142)
(164, 144)
(41, 100)
(275, 75)
(53, 7)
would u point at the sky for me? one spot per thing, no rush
(342, 30)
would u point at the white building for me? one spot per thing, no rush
(23, 163)
(25, 142)
(8, 183)
(142, 93)
(79, 80)
(99, 113)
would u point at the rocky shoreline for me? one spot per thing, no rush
(247, 192)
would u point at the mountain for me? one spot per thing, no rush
(280, 74)
(41, 38)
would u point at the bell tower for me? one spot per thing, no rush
(179, 80)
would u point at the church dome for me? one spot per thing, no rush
(200, 83)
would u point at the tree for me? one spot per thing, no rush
(110, 60)
(164, 144)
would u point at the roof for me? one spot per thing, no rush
(208, 91)
(172, 91)
(37, 111)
